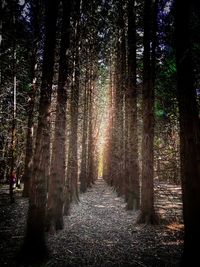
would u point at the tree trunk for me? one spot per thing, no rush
(147, 214)
(56, 195)
(14, 121)
(107, 155)
(35, 7)
(90, 177)
(29, 143)
(120, 72)
(132, 187)
(72, 167)
(189, 133)
(83, 172)
(34, 247)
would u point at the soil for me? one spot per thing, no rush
(100, 232)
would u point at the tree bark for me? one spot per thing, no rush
(91, 148)
(14, 121)
(34, 247)
(189, 133)
(35, 8)
(107, 153)
(147, 214)
(56, 195)
(132, 187)
(120, 71)
(83, 171)
(72, 167)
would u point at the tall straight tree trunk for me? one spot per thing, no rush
(34, 247)
(12, 174)
(189, 133)
(83, 171)
(120, 90)
(91, 115)
(57, 193)
(13, 138)
(90, 135)
(29, 142)
(72, 167)
(113, 131)
(147, 214)
(132, 187)
(107, 155)
(35, 7)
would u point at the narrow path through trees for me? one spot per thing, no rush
(99, 232)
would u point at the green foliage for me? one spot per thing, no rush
(159, 112)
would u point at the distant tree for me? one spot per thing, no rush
(15, 36)
(119, 85)
(13, 9)
(83, 169)
(91, 177)
(90, 48)
(35, 21)
(107, 153)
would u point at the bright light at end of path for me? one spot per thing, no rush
(102, 142)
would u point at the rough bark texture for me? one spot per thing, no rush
(132, 186)
(189, 134)
(35, 7)
(72, 167)
(83, 171)
(12, 162)
(147, 187)
(35, 233)
(56, 193)
(118, 135)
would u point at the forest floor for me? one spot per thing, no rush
(100, 232)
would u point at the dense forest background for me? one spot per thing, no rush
(99, 89)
